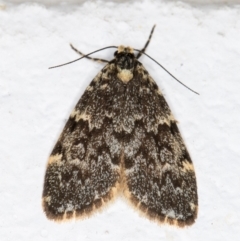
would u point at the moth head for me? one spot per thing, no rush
(125, 60)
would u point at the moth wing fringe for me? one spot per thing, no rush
(143, 211)
(96, 207)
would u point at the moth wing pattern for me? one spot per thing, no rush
(158, 171)
(84, 167)
(121, 136)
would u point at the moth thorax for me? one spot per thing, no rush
(125, 60)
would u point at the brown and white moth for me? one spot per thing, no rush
(121, 138)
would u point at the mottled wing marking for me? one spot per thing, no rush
(84, 167)
(121, 135)
(159, 174)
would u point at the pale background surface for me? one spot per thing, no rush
(197, 41)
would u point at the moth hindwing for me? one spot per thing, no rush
(121, 137)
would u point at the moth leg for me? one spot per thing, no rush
(147, 43)
(94, 59)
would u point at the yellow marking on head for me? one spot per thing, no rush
(122, 48)
(125, 75)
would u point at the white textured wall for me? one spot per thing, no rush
(197, 41)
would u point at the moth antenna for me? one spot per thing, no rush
(146, 44)
(83, 57)
(93, 59)
(167, 71)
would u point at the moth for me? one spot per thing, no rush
(121, 138)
